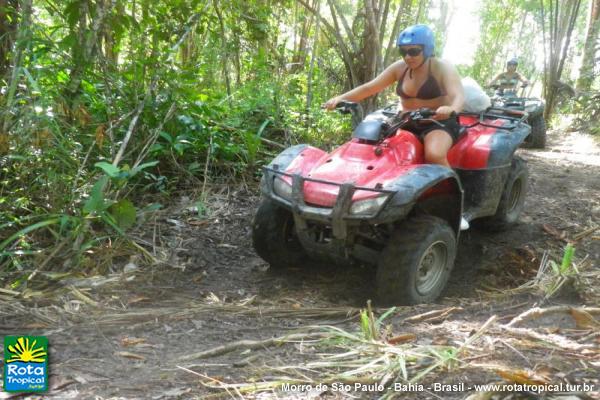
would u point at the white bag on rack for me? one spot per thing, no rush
(476, 100)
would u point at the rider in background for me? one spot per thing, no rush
(508, 80)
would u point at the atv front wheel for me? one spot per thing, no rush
(274, 236)
(537, 137)
(415, 265)
(512, 201)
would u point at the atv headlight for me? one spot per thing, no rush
(368, 206)
(282, 188)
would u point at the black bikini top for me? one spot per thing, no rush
(429, 90)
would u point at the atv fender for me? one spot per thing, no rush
(415, 185)
(284, 159)
(282, 162)
(503, 144)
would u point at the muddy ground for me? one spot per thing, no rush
(128, 334)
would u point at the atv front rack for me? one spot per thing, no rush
(337, 216)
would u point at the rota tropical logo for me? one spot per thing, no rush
(25, 363)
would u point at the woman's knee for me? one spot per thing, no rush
(436, 156)
(437, 144)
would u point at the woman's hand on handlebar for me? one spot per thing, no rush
(443, 112)
(331, 103)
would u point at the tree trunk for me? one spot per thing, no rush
(311, 68)
(299, 58)
(423, 5)
(442, 24)
(107, 42)
(9, 9)
(561, 23)
(352, 75)
(22, 41)
(371, 50)
(586, 73)
(404, 10)
(85, 49)
(362, 55)
(224, 51)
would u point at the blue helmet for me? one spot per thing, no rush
(512, 61)
(419, 35)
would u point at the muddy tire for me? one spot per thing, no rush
(274, 236)
(512, 200)
(537, 137)
(415, 265)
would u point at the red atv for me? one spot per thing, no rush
(373, 199)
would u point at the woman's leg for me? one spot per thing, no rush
(437, 143)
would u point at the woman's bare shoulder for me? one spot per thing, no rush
(397, 67)
(442, 65)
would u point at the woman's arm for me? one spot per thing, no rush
(378, 84)
(454, 90)
(522, 79)
(496, 79)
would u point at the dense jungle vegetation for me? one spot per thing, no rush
(109, 108)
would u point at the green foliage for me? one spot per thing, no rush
(109, 107)
(370, 327)
(206, 89)
(565, 266)
(586, 108)
(561, 274)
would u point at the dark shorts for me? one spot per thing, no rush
(450, 125)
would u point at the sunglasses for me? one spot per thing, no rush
(413, 51)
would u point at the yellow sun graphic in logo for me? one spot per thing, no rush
(26, 352)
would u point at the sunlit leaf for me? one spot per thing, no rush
(109, 169)
(124, 213)
(95, 202)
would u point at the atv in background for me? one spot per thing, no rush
(513, 100)
(374, 200)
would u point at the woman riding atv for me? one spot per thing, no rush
(422, 81)
(508, 80)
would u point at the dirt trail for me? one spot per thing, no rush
(125, 336)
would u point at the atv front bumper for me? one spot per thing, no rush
(339, 217)
(332, 232)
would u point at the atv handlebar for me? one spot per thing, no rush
(346, 107)
(404, 118)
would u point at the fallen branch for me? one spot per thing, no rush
(585, 233)
(272, 143)
(132, 125)
(432, 315)
(560, 342)
(78, 294)
(251, 344)
(537, 312)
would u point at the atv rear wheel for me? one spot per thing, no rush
(512, 201)
(274, 236)
(415, 265)
(537, 137)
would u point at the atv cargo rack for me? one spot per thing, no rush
(488, 112)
